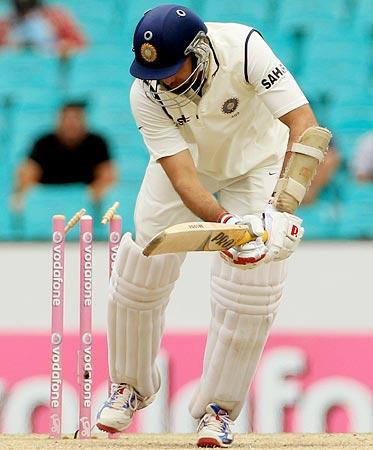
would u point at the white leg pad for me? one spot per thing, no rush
(244, 304)
(140, 288)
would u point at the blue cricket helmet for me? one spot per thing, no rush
(161, 40)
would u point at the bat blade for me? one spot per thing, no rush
(197, 236)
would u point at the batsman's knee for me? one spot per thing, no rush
(141, 279)
(251, 292)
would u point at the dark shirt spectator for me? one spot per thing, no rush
(66, 164)
(70, 154)
(50, 28)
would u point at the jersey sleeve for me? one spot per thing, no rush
(271, 80)
(160, 134)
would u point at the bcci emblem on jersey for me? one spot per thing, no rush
(148, 52)
(230, 105)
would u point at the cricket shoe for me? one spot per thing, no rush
(214, 429)
(116, 413)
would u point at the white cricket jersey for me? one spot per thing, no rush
(235, 127)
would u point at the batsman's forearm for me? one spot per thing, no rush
(200, 201)
(297, 121)
(182, 173)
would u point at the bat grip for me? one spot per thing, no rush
(249, 237)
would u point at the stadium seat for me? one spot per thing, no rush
(356, 211)
(96, 69)
(309, 15)
(320, 220)
(8, 223)
(342, 61)
(249, 12)
(352, 117)
(22, 69)
(42, 202)
(364, 16)
(326, 46)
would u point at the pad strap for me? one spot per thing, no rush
(307, 150)
(292, 187)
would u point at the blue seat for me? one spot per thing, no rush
(356, 213)
(97, 69)
(132, 11)
(309, 15)
(28, 125)
(347, 143)
(325, 59)
(91, 11)
(251, 13)
(25, 69)
(320, 220)
(288, 46)
(133, 167)
(126, 193)
(7, 222)
(332, 62)
(352, 116)
(355, 192)
(364, 15)
(43, 201)
(356, 221)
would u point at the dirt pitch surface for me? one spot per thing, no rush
(284, 441)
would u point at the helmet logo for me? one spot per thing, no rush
(148, 35)
(230, 105)
(148, 52)
(180, 13)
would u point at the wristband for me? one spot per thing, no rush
(223, 217)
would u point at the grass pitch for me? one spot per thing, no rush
(251, 441)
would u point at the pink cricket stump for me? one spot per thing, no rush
(115, 235)
(85, 350)
(58, 267)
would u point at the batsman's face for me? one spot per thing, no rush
(180, 76)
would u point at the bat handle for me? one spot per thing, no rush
(249, 237)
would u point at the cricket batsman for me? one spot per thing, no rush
(232, 139)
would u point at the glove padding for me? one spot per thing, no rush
(245, 256)
(285, 232)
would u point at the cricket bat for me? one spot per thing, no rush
(198, 237)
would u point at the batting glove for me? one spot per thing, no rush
(285, 232)
(249, 255)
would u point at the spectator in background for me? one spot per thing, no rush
(324, 174)
(48, 28)
(69, 154)
(362, 163)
